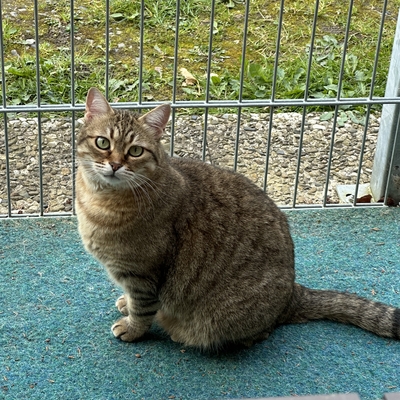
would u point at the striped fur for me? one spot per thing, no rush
(199, 249)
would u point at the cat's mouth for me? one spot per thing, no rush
(111, 178)
(111, 182)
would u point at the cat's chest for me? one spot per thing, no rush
(123, 241)
(103, 230)
(102, 220)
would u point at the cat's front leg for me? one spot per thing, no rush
(139, 317)
(121, 305)
(128, 330)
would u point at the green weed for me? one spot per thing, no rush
(194, 28)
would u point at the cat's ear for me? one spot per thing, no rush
(96, 104)
(157, 119)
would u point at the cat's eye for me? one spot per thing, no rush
(102, 143)
(135, 151)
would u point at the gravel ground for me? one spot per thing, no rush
(56, 154)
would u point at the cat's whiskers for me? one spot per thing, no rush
(158, 187)
(148, 184)
(138, 182)
(138, 196)
(155, 186)
(140, 201)
(87, 164)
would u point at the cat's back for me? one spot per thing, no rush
(233, 194)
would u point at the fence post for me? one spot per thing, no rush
(386, 169)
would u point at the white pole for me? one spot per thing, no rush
(385, 179)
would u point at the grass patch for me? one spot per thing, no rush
(194, 30)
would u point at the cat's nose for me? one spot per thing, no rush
(115, 166)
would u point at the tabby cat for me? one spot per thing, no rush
(200, 250)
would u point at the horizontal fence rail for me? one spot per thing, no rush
(300, 134)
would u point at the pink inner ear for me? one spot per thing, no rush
(157, 119)
(96, 104)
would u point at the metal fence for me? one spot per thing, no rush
(305, 151)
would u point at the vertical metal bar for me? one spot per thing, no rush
(204, 147)
(3, 70)
(8, 183)
(362, 154)
(4, 103)
(72, 44)
(242, 74)
(175, 77)
(40, 162)
(328, 171)
(296, 179)
(344, 53)
(141, 52)
(210, 50)
(311, 53)
(207, 94)
(36, 18)
(277, 49)
(371, 93)
(73, 160)
(7, 154)
(107, 47)
(39, 116)
(72, 41)
(239, 118)
(378, 48)
(176, 47)
(338, 95)
(172, 139)
(273, 90)
(268, 150)
(244, 48)
(303, 119)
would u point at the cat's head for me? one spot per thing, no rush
(118, 148)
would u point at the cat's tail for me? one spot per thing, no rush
(308, 304)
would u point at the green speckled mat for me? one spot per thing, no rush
(57, 306)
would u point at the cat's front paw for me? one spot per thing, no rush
(122, 305)
(124, 331)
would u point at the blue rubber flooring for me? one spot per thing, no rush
(57, 306)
